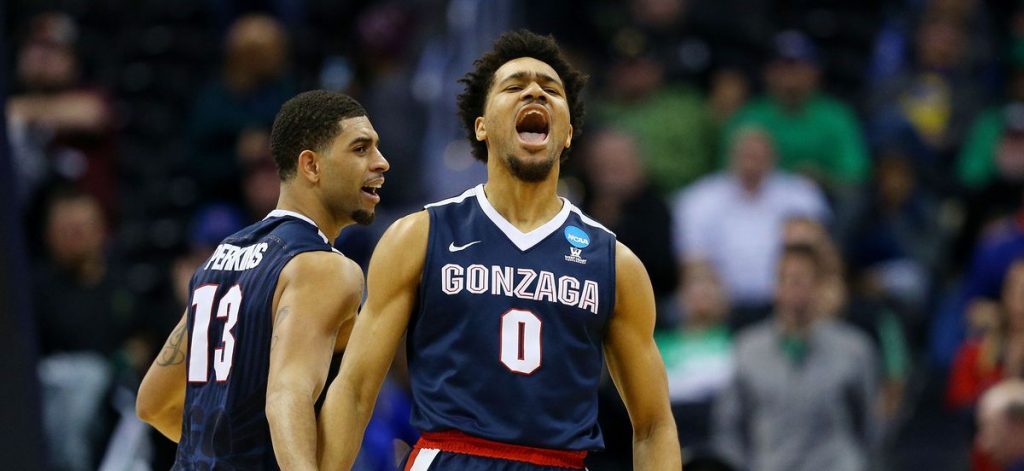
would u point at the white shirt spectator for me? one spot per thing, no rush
(739, 232)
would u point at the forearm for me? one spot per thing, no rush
(657, 447)
(292, 429)
(342, 425)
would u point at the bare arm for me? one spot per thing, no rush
(161, 398)
(637, 368)
(392, 282)
(319, 291)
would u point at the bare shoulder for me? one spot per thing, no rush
(330, 272)
(627, 265)
(405, 242)
(412, 228)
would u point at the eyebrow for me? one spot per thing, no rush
(361, 140)
(541, 77)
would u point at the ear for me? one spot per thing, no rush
(480, 129)
(309, 166)
(568, 138)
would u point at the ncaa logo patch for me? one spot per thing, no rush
(576, 237)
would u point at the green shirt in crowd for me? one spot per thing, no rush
(698, 362)
(976, 166)
(822, 139)
(673, 130)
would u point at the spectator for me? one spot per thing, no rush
(803, 394)
(815, 134)
(1001, 424)
(672, 126)
(86, 319)
(871, 316)
(733, 221)
(995, 352)
(621, 198)
(895, 241)
(61, 130)
(697, 355)
(230, 121)
(932, 102)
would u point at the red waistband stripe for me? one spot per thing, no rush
(454, 441)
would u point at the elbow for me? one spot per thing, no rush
(150, 411)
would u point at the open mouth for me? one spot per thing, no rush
(532, 125)
(371, 190)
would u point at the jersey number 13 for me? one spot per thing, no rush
(203, 299)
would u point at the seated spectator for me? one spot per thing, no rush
(995, 352)
(804, 390)
(86, 324)
(230, 121)
(697, 355)
(672, 126)
(620, 196)
(1001, 424)
(60, 129)
(733, 221)
(932, 101)
(814, 133)
(894, 236)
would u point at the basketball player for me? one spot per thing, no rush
(510, 298)
(272, 304)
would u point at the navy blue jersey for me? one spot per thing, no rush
(506, 342)
(229, 324)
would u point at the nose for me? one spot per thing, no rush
(380, 164)
(534, 91)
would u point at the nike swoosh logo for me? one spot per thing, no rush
(456, 248)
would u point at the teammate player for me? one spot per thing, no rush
(510, 298)
(272, 303)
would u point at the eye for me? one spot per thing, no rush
(551, 91)
(513, 88)
(360, 149)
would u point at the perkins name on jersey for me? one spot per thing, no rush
(523, 283)
(228, 257)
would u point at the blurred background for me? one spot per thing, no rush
(828, 196)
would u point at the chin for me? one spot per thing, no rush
(363, 217)
(529, 170)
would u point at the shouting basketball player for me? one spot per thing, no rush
(272, 304)
(510, 297)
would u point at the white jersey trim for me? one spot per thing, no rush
(454, 199)
(284, 212)
(590, 222)
(523, 240)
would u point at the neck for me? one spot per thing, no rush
(793, 327)
(525, 205)
(308, 206)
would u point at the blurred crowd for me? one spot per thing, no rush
(828, 197)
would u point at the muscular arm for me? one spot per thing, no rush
(319, 291)
(637, 369)
(392, 282)
(161, 398)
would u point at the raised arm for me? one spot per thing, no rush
(392, 284)
(319, 291)
(637, 368)
(161, 398)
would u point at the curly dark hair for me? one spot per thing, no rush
(310, 120)
(513, 45)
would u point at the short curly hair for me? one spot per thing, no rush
(510, 46)
(310, 120)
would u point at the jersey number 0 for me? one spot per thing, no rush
(203, 299)
(520, 341)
